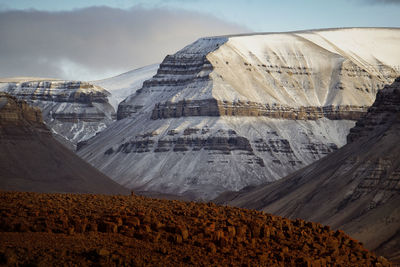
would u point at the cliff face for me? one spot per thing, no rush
(382, 114)
(291, 97)
(212, 107)
(14, 112)
(32, 160)
(356, 188)
(74, 111)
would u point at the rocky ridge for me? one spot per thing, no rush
(292, 96)
(356, 188)
(57, 229)
(73, 110)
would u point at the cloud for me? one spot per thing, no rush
(97, 42)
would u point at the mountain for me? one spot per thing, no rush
(73, 110)
(127, 83)
(356, 189)
(227, 112)
(32, 160)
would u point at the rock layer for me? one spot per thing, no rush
(14, 112)
(212, 107)
(292, 96)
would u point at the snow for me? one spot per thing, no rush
(365, 45)
(173, 172)
(319, 52)
(125, 84)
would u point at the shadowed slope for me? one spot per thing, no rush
(32, 160)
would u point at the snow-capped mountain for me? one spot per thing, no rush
(227, 112)
(73, 110)
(127, 83)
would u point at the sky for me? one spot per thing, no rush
(90, 40)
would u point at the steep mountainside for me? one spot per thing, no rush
(73, 110)
(356, 188)
(32, 160)
(127, 83)
(227, 112)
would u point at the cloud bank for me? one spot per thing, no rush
(97, 42)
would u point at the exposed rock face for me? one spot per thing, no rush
(136, 231)
(290, 97)
(356, 188)
(212, 107)
(189, 67)
(31, 160)
(14, 112)
(73, 110)
(381, 114)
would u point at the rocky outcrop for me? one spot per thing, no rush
(292, 96)
(14, 112)
(187, 67)
(356, 188)
(58, 91)
(380, 115)
(32, 160)
(131, 230)
(223, 143)
(73, 110)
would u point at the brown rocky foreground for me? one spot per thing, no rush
(55, 229)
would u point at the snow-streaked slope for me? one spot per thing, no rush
(231, 111)
(127, 83)
(147, 155)
(73, 110)
(306, 67)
